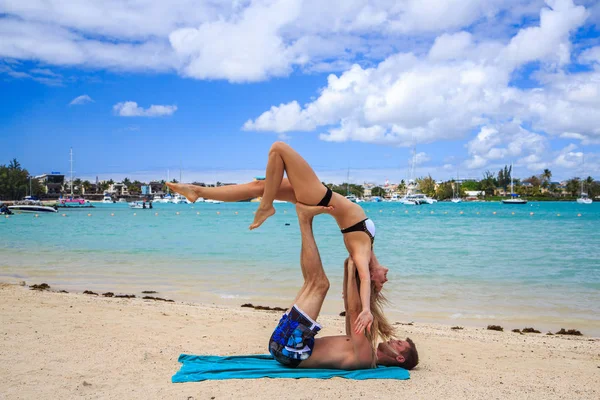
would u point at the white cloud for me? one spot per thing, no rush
(283, 118)
(20, 40)
(590, 56)
(569, 158)
(550, 40)
(44, 71)
(459, 85)
(408, 71)
(506, 141)
(568, 103)
(83, 99)
(246, 48)
(585, 140)
(421, 158)
(47, 77)
(240, 41)
(450, 46)
(131, 109)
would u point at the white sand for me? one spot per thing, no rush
(64, 346)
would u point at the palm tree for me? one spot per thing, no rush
(86, 186)
(547, 175)
(488, 183)
(103, 186)
(427, 185)
(77, 185)
(401, 186)
(126, 182)
(573, 186)
(377, 191)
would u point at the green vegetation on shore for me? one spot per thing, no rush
(15, 183)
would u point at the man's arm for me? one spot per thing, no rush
(362, 346)
(348, 329)
(362, 266)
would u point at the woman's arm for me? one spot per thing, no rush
(365, 319)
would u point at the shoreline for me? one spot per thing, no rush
(107, 348)
(332, 306)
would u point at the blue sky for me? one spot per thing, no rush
(353, 85)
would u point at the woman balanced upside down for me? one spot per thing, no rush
(302, 185)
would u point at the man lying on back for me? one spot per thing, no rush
(293, 342)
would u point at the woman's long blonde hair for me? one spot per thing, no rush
(381, 330)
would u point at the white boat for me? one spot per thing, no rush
(107, 199)
(583, 196)
(72, 201)
(407, 201)
(426, 199)
(31, 207)
(411, 200)
(514, 199)
(139, 204)
(163, 200)
(212, 201)
(351, 197)
(179, 199)
(279, 201)
(412, 196)
(395, 198)
(456, 193)
(584, 199)
(415, 199)
(199, 200)
(122, 200)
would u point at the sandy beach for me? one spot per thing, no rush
(72, 345)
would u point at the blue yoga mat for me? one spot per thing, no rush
(202, 368)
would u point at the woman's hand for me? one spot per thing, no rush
(364, 321)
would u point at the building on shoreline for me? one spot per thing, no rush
(52, 182)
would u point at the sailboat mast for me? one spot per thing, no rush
(348, 183)
(412, 166)
(582, 175)
(511, 179)
(71, 160)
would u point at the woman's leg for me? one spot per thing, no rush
(229, 193)
(307, 186)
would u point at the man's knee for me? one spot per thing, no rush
(258, 187)
(318, 284)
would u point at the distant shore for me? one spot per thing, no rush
(57, 345)
(491, 199)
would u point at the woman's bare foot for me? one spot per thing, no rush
(189, 191)
(261, 216)
(306, 211)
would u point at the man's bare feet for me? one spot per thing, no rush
(261, 216)
(189, 191)
(306, 211)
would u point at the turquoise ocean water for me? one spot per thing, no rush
(474, 268)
